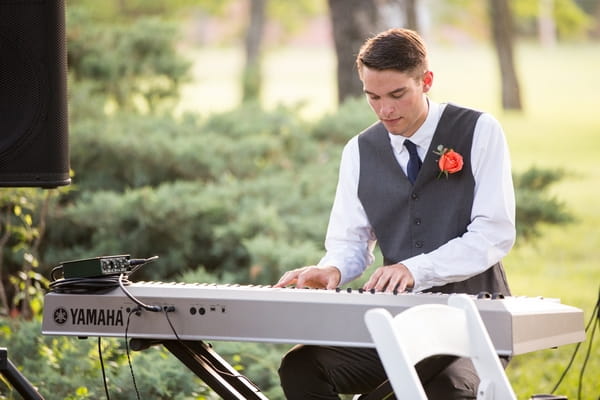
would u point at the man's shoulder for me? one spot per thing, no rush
(460, 110)
(374, 127)
(376, 130)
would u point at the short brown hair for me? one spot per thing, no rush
(399, 49)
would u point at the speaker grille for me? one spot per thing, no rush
(21, 99)
(33, 94)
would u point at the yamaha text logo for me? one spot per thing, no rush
(89, 316)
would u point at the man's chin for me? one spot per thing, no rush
(393, 127)
(394, 130)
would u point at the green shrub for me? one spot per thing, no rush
(134, 67)
(178, 222)
(353, 116)
(535, 206)
(69, 368)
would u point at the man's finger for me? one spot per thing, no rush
(287, 279)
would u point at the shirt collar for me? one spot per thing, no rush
(422, 136)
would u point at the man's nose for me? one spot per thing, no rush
(386, 108)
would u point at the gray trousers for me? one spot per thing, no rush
(322, 373)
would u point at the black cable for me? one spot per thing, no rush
(98, 284)
(138, 262)
(594, 318)
(102, 367)
(54, 270)
(166, 310)
(172, 327)
(206, 360)
(587, 357)
(105, 283)
(86, 285)
(566, 369)
(134, 310)
(134, 299)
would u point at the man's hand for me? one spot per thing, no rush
(389, 278)
(312, 277)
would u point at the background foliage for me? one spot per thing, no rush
(234, 196)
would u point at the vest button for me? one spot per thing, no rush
(419, 244)
(417, 221)
(414, 196)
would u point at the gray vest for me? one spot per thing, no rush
(409, 220)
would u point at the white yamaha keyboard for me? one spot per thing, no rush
(285, 315)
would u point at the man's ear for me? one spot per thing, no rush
(427, 81)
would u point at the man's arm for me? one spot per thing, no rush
(491, 233)
(349, 241)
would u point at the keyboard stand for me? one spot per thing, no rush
(16, 378)
(206, 364)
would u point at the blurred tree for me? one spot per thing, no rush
(509, 18)
(252, 76)
(502, 34)
(289, 15)
(410, 8)
(134, 66)
(119, 11)
(596, 26)
(352, 21)
(553, 20)
(285, 14)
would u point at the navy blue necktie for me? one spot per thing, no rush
(414, 162)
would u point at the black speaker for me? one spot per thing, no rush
(34, 145)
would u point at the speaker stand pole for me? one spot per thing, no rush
(16, 379)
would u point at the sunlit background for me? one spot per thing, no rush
(233, 183)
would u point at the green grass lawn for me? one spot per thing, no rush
(559, 128)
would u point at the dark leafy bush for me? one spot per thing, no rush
(185, 223)
(535, 206)
(353, 116)
(134, 66)
(69, 368)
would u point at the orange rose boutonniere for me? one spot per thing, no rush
(449, 162)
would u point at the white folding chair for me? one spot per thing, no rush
(435, 329)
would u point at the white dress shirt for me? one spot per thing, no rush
(490, 235)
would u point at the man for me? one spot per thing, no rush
(431, 183)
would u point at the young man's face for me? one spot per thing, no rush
(397, 98)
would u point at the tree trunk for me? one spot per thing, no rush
(252, 76)
(353, 21)
(410, 8)
(501, 20)
(596, 30)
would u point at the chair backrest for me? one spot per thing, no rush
(435, 329)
